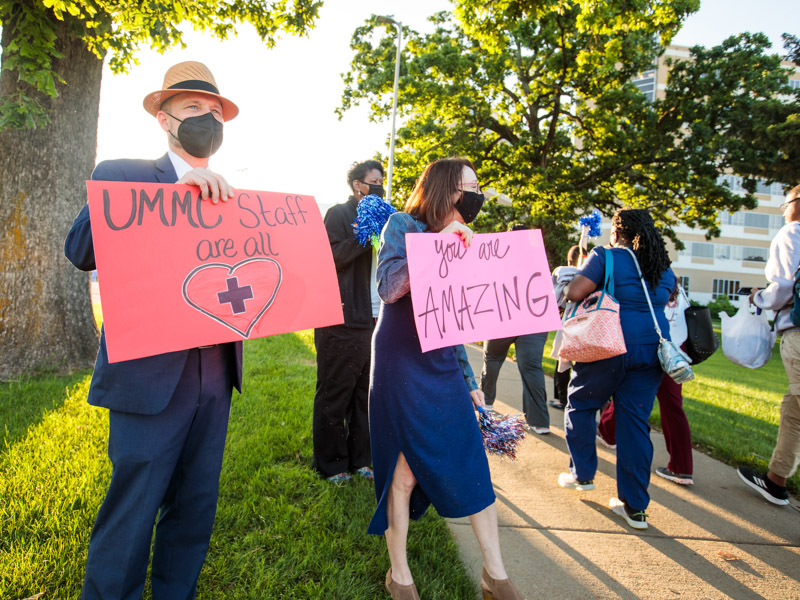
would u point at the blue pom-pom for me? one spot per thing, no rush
(593, 222)
(501, 433)
(371, 215)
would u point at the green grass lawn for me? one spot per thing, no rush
(280, 531)
(733, 412)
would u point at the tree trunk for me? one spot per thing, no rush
(46, 320)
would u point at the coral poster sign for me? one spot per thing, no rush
(498, 287)
(177, 272)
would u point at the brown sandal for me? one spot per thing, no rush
(498, 589)
(399, 591)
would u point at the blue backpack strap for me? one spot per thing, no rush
(794, 308)
(608, 285)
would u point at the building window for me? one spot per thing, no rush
(759, 220)
(794, 84)
(724, 287)
(646, 82)
(762, 187)
(726, 218)
(702, 250)
(755, 254)
(734, 183)
(727, 252)
(684, 281)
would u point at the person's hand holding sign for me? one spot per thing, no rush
(212, 185)
(462, 230)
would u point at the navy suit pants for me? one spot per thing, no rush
(166, 467)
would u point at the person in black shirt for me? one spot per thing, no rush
(340, 422)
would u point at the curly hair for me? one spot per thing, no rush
(360, 170)
(636, 227)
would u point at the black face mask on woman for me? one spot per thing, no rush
(470, 205)
(200, 136)
(376, 189)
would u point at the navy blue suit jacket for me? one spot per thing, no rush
(142, 385)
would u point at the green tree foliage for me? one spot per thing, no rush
(743, 112)
(118, 27)
(791, 44)
(540, 96)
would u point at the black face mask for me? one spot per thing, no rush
(470, 205)
(376, 189)
(200, 136)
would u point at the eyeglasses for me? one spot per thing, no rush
(788, 202)
(469, 186)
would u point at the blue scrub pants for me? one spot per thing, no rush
(631, 380)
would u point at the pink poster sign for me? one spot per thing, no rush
(177, 272)
(498, 287)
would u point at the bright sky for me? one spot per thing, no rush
(287, 137)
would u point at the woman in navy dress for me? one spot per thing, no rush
(426, 444)
(631, 379)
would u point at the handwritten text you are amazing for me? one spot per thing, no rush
(256, 213)
(462, 304)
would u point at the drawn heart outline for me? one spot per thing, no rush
(261, 273)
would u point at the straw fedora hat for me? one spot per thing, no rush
(189, 76)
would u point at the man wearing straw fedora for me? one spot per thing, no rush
(168, 414)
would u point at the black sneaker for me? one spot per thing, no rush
(635, 518)
(557, 404)
(676, 477)
(762, 484)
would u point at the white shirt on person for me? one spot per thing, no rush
(784, 258)
(181, 166)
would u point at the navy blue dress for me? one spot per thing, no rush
(419, 403)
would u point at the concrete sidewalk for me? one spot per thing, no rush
(715, 539)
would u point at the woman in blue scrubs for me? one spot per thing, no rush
(631, 379)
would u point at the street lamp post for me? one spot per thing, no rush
(399, 25)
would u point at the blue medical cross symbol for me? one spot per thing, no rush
(235, 295)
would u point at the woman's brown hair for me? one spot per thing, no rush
(432, 199)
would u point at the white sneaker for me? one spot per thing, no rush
(602, 442)
(636, 519)
(566, 480)
(541, 430)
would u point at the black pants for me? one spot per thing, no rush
(529, 349)
(560, 385)
(341, 420)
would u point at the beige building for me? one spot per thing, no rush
(736, 259)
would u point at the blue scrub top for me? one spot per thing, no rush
(634, 314)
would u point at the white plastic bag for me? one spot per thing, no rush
(747, 339)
